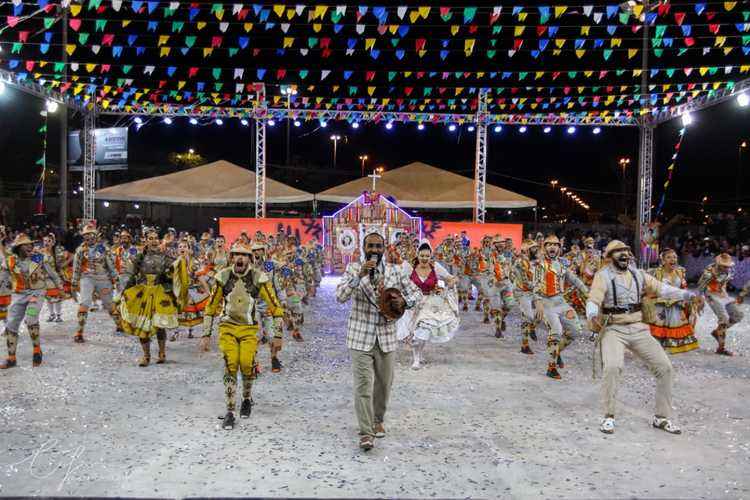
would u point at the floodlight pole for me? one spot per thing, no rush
(646, 148)
(480, 161)
(260, 153)
(89, 158)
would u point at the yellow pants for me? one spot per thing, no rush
(238, 344)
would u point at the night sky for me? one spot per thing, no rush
(707, 165)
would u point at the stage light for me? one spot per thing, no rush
(498, 128)
(597, 130)
(389, 125)
(193, 121)
(52, 106)
(523, 129)
(219, 121)
(687, 118)
(2, 86)
(168, 120)
(136, 206)
(106, 204)
(470, 128)
(743, 99)
(271, 123)
(297, 123)
(323, 123)
(191, 151)
(138, 120)
(547, 130)
(420, 126)
(244, 122)
(355, 124)
(571, 130)
(510, 212)
(452, 127)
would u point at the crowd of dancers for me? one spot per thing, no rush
(252, 291)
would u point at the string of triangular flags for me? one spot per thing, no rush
(670, 170)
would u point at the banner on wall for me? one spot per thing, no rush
(312, 229)
(305, 230)
(437, 231)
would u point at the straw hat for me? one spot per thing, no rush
(725, 260)
(88, 229)
(240, 248)
(21, 239)
(528, 245)
(613, 246)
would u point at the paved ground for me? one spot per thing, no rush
(480, 421)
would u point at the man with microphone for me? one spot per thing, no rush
(371, 331)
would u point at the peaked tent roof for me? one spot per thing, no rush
(420, 185)
(219, 182)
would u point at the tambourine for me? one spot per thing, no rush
(392, 304)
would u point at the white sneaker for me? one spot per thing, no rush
(666, 425)
(608, 425)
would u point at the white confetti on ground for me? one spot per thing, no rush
(479, 420)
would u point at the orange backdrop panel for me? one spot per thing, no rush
(312, 229)
(306, 229)
(436, 231)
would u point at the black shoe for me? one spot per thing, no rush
(228, 424)
(246, 408)
(275, 365)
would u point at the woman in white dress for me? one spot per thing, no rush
(435, 318)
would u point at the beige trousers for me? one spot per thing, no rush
(373, 377)
(637, 338)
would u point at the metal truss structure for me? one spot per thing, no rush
(702, 102)
(89, 173)
(480, 160)
(209, 112)
(31, 87)
(645, 179)
(260, 158)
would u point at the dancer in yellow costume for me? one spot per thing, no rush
(148, 305)
(235, 297)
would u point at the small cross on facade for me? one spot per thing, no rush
(374, 178)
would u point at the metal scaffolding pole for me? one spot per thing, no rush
(645, 181)
(260, 157)
(89, 173)
(480, 161)
(646, 145)
(64, 128)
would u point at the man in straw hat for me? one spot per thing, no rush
(371, 336)
(93, 271)
(29, 274)
(269, 324)
(499, 286)
(522, 275)
(713, 285)
(614, 310)
(235, 298)
(550, 305)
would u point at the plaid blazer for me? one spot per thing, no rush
(366, 324)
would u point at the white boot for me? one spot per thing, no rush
(416, 348)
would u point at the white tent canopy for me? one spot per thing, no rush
(418, 185)
(219, 183)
